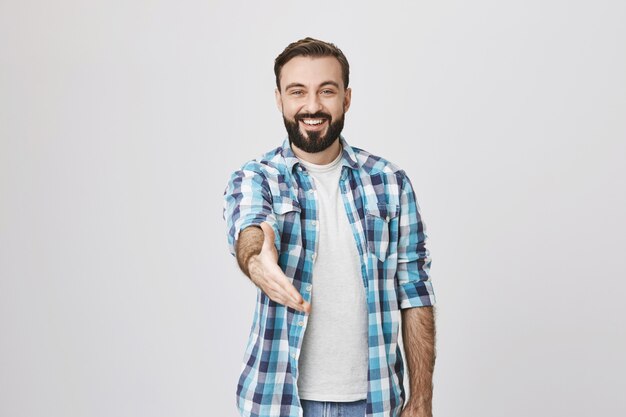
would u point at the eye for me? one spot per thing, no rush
(327, 92)
(296, 92)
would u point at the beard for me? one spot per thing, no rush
(314, 141)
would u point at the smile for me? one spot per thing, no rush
(313, 122)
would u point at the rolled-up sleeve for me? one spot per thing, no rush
(247, 202)
(413, 273)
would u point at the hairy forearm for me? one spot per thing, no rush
(418, 334)
(249, 244)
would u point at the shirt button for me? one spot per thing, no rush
(313, 256)
(308, 288)
(311, 191)
(314, 222)
(293, 355)
(300, 323)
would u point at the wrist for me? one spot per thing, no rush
(417, 408)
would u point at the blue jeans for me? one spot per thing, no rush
(333, 409)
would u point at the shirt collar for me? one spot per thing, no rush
(348, 157)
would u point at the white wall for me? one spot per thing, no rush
(120, 122)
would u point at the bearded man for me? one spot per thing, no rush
(333, 239)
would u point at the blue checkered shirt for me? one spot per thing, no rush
(390, 237)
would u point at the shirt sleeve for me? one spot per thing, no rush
(247, 202)
(413, 272)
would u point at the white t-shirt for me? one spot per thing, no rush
(334, 357)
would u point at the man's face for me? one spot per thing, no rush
(313, 101)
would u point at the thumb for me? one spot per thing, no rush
(268, 237)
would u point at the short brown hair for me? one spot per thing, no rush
(314, 48)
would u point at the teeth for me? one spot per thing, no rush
(313, 121)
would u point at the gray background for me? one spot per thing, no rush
(120, 122)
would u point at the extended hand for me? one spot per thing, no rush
(267, 275)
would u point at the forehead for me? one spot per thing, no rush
(311, 71)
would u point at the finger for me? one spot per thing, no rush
(280, 298)
(277, 293)
(290, 290)
(300, 304)
(276, 274)
(298, 307)
(306, 307)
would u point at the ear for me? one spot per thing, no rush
(279, 101)
(347, 99)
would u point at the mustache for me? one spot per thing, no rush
(318, 115)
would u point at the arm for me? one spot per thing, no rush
(416, 297)
(418, 334)
(249, 245)
(252, 231)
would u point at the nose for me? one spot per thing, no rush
(313, 103)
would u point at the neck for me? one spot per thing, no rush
(324, 157)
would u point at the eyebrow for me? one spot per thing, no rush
(329, 82)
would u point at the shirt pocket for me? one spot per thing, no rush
(377, 220)
(287, 212)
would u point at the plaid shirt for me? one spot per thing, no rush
(390, 237)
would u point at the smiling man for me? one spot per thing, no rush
(333, 239)
(313, 112)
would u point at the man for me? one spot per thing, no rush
(333, 239)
